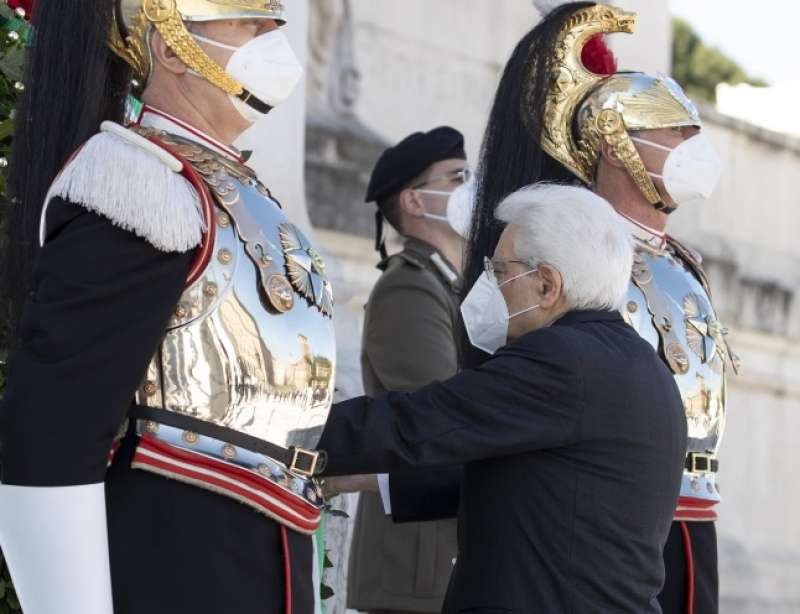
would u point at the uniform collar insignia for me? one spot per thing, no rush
(159, 120)
(650, 236)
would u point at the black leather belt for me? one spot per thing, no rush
(305, 463)
(701, 463)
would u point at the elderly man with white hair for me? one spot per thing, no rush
(572, 434)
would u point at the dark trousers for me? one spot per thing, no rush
(178, 549)
(691, 547)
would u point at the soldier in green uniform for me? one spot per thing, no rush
(411, 333)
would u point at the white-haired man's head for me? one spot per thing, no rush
(575, 246)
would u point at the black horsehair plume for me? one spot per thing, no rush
(511, 154)
(73, 83)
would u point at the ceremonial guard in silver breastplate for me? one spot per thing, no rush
(174, 361)
(636, 140)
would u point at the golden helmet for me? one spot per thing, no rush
(584, 109)
(135, 19)
(624, 103)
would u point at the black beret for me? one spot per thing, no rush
(410, 157)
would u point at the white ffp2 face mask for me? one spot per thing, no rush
(266, 66)
(460, 207)
(692, 170)
(485, 313)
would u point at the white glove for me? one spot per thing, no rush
(55, 542)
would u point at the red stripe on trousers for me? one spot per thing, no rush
(287, 568)
(687, 552)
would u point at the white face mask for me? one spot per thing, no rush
(485, 312)
(460, 207)
(266, 66)
(692, 169)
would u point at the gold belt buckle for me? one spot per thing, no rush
(705, 459)
(308, 458)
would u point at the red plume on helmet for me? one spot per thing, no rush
(598, 58)
(25, 5)
(596, 55)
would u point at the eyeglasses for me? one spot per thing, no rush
(490, 267)
(461, 176)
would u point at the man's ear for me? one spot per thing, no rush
(551, 285)
(610, 156)
(164, 56)
(410, 203)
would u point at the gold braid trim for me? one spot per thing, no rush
(612, 127)
(175, 34)
(132, 48)
(165, 17)
(571, 82)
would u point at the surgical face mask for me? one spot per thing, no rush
(460, 207)
(485, 312)
(692, 169)
(266, 66)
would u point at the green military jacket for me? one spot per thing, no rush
(410, 339)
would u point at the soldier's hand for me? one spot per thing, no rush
(349, 484)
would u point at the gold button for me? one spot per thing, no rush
(150, 388)
(223, 220)
(150, 426)
(677, 358)
(190, 437)
(280, 294)
(157, 11)
(228, 451)
(181, 311)
(211, 289)
(225, 256)
(633, 307)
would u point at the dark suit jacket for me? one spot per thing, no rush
(573, 440)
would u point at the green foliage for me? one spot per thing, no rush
(700, 68)
(14, 35)
(325, 591)
(8, 598)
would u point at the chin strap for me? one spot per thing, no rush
(55, 541)
(380, 236)
(660, 206)
(254, 102)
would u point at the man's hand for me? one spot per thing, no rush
(349, 484)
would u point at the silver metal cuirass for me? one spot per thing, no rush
(250, 346)
(671, 309)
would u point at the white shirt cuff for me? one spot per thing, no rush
(386, 497)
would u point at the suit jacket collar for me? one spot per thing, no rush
(578, 317)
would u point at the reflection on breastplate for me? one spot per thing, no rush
(250, 346)
(671, 309)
